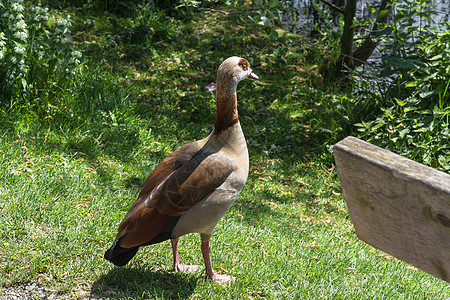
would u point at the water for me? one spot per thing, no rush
(309, 19)
(304, 17)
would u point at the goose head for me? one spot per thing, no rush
(233, 70)
(230, 73)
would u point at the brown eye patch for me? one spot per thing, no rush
(243, 63)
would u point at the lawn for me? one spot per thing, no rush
(72, 164)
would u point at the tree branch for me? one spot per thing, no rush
(346, 57)
(368, 46)
(226, 12)
(335, 7)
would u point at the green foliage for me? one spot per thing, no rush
(413, 119)
(407, 128)
(71, 167)
(267, 16)
(139, 35)
(36, 51)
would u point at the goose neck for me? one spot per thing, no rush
(226, 105)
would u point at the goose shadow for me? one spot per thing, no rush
(139, 283)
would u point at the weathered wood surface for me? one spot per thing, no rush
(397, 205)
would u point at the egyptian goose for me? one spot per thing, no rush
(193, 187)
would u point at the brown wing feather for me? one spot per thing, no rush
(190, 183)
(141, 227)
(142, 223)
(165, 168)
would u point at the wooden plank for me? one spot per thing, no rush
(397, 205)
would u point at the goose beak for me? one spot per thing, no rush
(253, 76)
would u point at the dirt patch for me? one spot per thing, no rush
(31, 291)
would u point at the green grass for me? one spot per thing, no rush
(71, 165)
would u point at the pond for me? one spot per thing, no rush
(305, 16)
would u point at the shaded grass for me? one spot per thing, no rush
(71, 166)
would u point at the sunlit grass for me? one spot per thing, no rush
(71, 166)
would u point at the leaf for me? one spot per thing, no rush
(431, 76)
(400, 63)
(426, 94)
(273, 3)
(437, 57)
(411, 84)
(425, 112)
(24, 83)
(427, 157)
(382, 14)
(410, 108)
(385, 31)
(444, 161)
(403, 132)
(264, 21)
(273, 35)
(400, 102)
(426, 16)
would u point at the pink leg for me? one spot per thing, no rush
(219, 278)
(176, 261)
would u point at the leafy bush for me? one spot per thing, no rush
(139, 36)
(414, 117)
(36, 51)
(407, 128)
(267, 15)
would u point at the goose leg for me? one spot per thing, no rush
(176, 261)
(219, 278)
